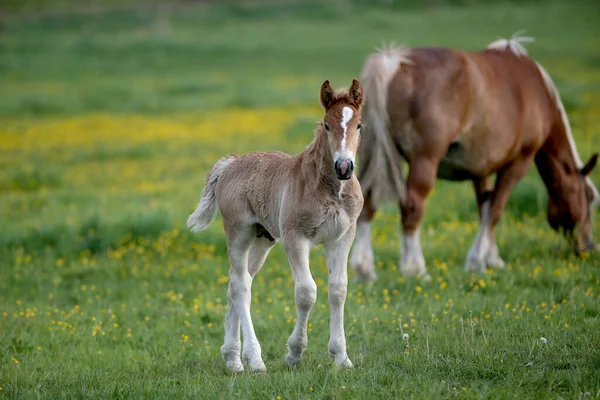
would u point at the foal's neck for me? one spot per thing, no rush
(317, 165)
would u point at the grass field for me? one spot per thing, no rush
(109, 122)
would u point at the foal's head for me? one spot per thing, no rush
(572, 214)
(342, 123)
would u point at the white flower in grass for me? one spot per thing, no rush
(544, 340)
(405, 337)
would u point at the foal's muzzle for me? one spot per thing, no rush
(344, 169)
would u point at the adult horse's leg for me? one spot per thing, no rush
(506, 180)
(232, 347)
(483, 191)
(239, 297)
(297, 249)
(421, 179)
(362, 258)
(337, 259)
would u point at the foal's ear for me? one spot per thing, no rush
(326, 94)
(589, 166)
(356, 91)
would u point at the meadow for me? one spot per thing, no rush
(110, 120)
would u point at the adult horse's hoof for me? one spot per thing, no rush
(361, 260)
(414, 267)
(495, 261)
(474, 264)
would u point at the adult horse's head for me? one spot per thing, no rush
(342, 123)
(571, 212)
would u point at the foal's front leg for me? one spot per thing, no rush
(337, 258)
(297, 249)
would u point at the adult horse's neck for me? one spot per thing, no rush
(316, 165)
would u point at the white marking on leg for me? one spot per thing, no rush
(362, 258)
(413, 262)
(347, 114)
(337, 259)
(232, 346)
(240, 283)
(476, 257)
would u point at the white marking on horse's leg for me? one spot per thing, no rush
(362, 258)
(476, 257)
(240, 283)
(347, 114)
(232, 346)
(231, 349)
(305, 291)
(492, 258)
(412, 260)
(337, 259)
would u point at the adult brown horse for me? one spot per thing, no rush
(466, 116)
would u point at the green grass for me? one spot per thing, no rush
(109, 122)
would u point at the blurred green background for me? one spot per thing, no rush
(111, 114)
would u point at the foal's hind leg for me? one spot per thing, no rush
(362, 258)
(232, 347)
(483, 192)
(491, 211)
(239, 240)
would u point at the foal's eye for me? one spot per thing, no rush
(327, 127)
(358, 126)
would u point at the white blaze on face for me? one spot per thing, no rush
(347, 114)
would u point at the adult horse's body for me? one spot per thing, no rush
(465, 115)
(303, 200)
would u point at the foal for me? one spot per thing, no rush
(303, 200)
(459, 115)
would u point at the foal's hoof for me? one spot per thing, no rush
(255, 364)
(234, 367)
(291, 360)
(344, 363)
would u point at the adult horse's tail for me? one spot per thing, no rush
(207, 207)
(380, 172)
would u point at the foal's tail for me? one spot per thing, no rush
(380, 172)
(207, 207)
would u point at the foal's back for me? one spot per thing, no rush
(248, 188)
